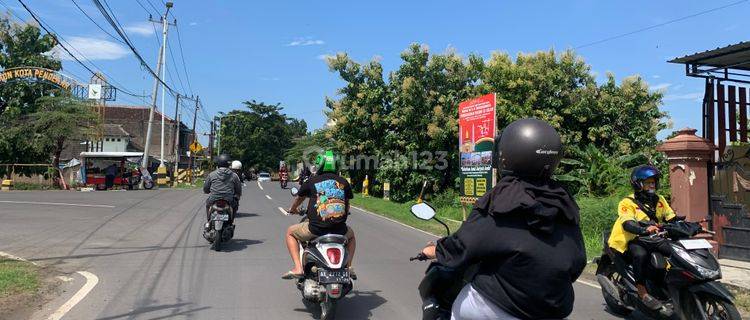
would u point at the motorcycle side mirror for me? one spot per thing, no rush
(423, 211)
(294, 191)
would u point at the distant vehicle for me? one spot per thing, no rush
(264, 177)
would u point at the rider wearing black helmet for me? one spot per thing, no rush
(524, 234)
(222, 183)
(638, 215)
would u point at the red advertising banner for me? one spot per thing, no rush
(476, 127)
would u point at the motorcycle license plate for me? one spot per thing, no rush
(693, 244)
(221, 217)
(328, 276)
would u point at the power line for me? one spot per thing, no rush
(182, 55)
(92, 20)
(177, 71)
(659, 24)
(123, 35)
(144, 7)
(60, 43)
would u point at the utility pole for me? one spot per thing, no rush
(211, 142)
(176, 139)
(219, 142)
(190, 160)
(159, 70)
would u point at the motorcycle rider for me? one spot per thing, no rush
(224, 184)
(237, 168)
(524, 234)
(638, 215)
(304, 174)
(327, 211)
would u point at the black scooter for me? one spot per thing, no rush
(440, 285)
(685, 282)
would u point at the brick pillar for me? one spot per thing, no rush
(689, 156)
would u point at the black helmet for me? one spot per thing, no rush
(223, 161)
(529, 148)
(641, 173)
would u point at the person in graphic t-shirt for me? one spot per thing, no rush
(327, 210)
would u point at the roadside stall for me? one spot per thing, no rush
(112, 170)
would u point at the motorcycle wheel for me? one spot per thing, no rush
(328, 309)
(148, 184)
(614, 303)
(718, 309)
(216, 245)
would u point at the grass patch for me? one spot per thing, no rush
(198, 184)
(741, 300)
(17, 277)
(400, 212)
(597, 215)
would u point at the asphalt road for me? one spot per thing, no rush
(147, 250)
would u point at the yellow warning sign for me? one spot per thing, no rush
(195, 147)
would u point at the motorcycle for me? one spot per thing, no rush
(326, 279)
(685, 282)
(135, 179)
(283, 179)
(218, 229)
(440, 285)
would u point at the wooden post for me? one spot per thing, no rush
(463, 211)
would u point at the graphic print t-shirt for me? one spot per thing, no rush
(329, 196)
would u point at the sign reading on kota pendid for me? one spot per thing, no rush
(476, 129)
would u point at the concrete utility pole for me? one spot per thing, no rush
(159, 70)
(190, 160)
(176, 139)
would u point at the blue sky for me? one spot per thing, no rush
(271, 50)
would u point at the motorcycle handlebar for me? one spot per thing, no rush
(420, 257)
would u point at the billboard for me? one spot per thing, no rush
(476, 129)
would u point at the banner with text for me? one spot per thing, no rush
(476, 128)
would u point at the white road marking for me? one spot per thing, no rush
(65, 279)
(269, 197)
(259, 186)
(283, 211)
(59, 204)
(588, 284)
(394, 221)
(91, 281)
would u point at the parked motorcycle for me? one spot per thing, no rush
(440, 285)
(135, 179)
(218, 229)
(326, 279)
(685, 282)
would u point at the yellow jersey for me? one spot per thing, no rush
(628, 210)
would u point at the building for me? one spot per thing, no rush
(125, 129)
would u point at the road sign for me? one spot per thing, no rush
(95, 91)
(195, 147)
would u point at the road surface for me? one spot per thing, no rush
(147, 251)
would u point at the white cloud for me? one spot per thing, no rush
(307, 41)
(688, 96)
(325, 57)
(91, 49)
(678, 87)
(656, 76)
(661, 86)
(193, 23)
(141, 29)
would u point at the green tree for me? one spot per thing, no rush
(416, 110)
(22, 45)
(59, 119)
(259, 137)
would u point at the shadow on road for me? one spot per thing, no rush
(238, 244)
(246, 215)
(356, 305)
(96, 255)
(177, 310)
